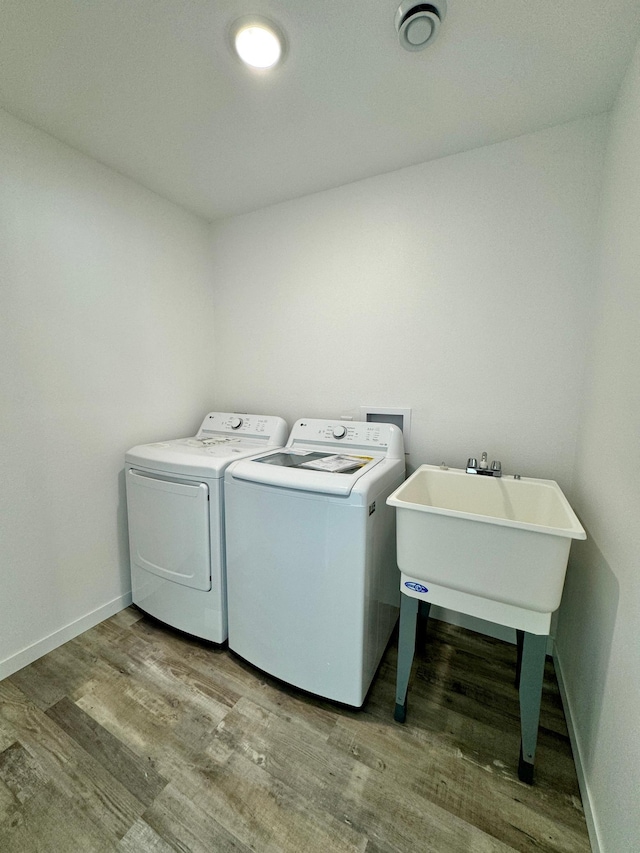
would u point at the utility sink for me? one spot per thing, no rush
(498, 538)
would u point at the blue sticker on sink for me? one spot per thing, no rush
(416, 587)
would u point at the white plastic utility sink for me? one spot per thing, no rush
(498, 538)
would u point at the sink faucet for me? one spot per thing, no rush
(483, 468)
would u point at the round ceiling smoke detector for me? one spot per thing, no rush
(418, 23)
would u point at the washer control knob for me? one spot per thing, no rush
(235, 423)
(339, 432)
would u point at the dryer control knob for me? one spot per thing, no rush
(235, 423)
(339, 432)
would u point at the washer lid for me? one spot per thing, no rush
(317, 444)
(291, 471)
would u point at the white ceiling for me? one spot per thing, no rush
(150, 87)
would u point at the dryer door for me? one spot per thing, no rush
(169, 528)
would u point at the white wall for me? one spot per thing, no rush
(105, 341)
(598, 645)
(460, 287)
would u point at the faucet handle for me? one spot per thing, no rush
(472, 462)
(496, 465)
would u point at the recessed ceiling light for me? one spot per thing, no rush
(258, 42)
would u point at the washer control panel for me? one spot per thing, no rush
(354, 434)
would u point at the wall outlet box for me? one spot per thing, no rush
(386, 415)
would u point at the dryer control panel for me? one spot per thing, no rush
(352, 435)
(268, 428)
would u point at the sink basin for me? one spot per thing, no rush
(497, 538)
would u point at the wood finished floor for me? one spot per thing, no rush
(133, 738)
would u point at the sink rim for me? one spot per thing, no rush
(574, 531)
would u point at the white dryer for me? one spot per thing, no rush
(175, 502)
(311, 560)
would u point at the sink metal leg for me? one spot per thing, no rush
(519, 646)
(406, 651)
(531, 675)
(424, 608)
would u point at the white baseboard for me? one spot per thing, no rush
(592, 826)
(58, 638)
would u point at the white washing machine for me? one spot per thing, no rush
(175, 501)
(311, 559)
